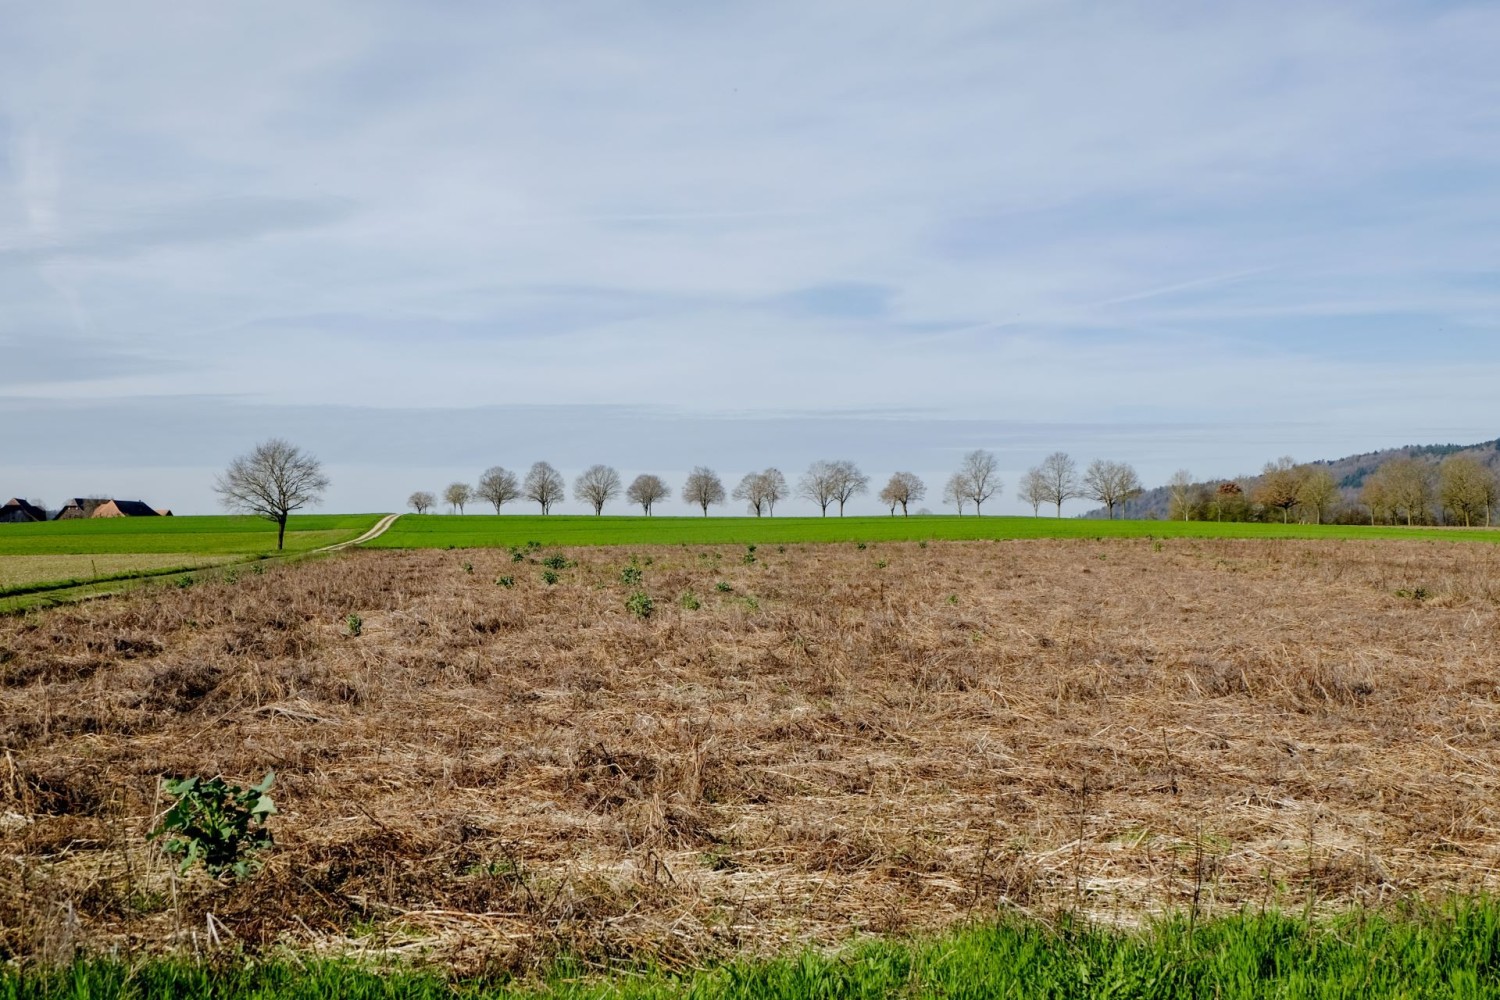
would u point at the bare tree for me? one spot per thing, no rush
(904, 489)
(498, 486)
(1411, 486)
(1034, 491)
(980, 475)
(1467, 488)
(1376, 495)
(775, 488)
(544, 485)
(597, 486)
(1279, 483)
(1111, 483)
(818, 484)
(457, 495)
(1317, 493)
(703, 488)
(647, 491)
(752, 492)
(1180, 494)
(421, 501)
(274, 479)
(848, 482)
(955, 491)
(1060, 474)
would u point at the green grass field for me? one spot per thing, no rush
(1248, 957)
(483, 530)
(85, 554)
(213, 535)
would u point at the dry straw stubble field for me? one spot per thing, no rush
(822, 741)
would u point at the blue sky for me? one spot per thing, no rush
(422, 239)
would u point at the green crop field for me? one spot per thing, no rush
(487, 530)
(59, 554)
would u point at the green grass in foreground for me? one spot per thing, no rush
(487, 530)
(1455, 955)
(221, 535)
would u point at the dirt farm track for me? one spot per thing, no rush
(798, 744)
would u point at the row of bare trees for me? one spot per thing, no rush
(826, 483)
(1057, 480)
(1405, 490)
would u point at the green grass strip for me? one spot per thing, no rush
(488, 530)
(1455, 954)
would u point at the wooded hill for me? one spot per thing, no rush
(1350, 473)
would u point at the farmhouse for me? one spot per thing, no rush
(17, 511)
(125, 508)
(81, 507)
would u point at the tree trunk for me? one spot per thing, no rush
(280, 532)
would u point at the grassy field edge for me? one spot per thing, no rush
(491, 531)
(1453, 951)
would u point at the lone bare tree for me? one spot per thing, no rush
(647, 490)
(421, 501)
(1111, 483)
(598, 485)
(457, 495)
(1060, 477)
(903, 489)
(498, 486)
(817, 484)
(702, 488)
(544, 485)
(979, 475)
(272, 480)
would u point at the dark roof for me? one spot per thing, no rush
(135, 508)
(17, 504)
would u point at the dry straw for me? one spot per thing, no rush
(843, 741)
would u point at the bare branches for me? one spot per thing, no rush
(597, 486)
(421, 501)
(904, 489)
(457, 495)
(646, 491)
(498, 486)
(703, 488)
(978, 479)
(273, 480)
(544, 485)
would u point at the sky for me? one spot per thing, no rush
(420, 239)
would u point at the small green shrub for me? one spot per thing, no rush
(630, 576)
(505, 581)
(354, 625)
(723, 587)
(184, 582)
(751, 604)
(882, 563)
(558, 561)
(469, 568)
(549, 577)
(640, 604)
(952, 598)
(533, 546)
(219, 825)
(922, 544)
(749, 555)
(861, 546)
(516, 555)
(689, 601)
